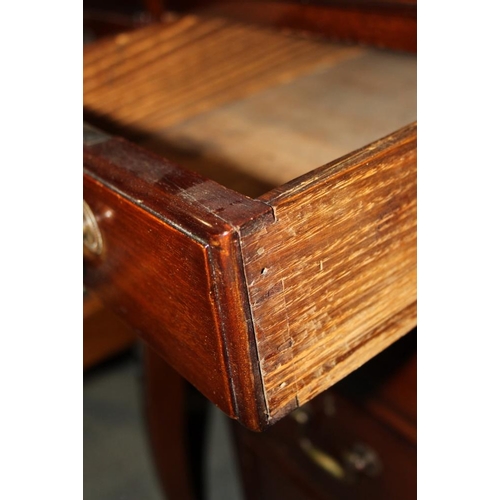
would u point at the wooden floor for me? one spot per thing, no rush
(248, 107)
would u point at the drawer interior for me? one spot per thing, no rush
(246, 106)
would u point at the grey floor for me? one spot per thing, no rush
(116, 460)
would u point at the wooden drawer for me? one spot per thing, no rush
(261, 297)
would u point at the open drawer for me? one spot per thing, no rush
(262, 279)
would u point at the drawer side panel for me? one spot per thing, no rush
(332, 281)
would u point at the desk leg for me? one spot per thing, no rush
(177, 421)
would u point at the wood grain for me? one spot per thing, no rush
(269, 127)
(170, 268)
(277, 134)
(333, 281)
(104, 334)
(165, 73)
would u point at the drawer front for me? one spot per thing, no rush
(328, 460)
(169, 266)
(340, 445)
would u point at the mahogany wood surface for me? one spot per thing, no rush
(397, 402)
(386, 387)
(332, 281)
(274, 465)
(104, 333)
(177, 429)
(170, 267)
(382, 23)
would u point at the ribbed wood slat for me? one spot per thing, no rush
(333, 281)
(161, 75)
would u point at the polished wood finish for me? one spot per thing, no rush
(332, 281)
(102, 18)
(383, 23)
(170, 267)
(104, 333)
(396, 403)
(177, 424)
(274, 465)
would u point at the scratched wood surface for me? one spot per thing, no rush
(333, 281)
(162, 74)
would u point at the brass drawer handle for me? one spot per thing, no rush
(92, 238)
(358, 459)
(323, 460)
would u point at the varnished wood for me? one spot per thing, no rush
(332, 281)
(170, 268)
(104, 334)
(274, 465)
(396, 402)
(386, 387)
(173, 422)
(383, 23)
